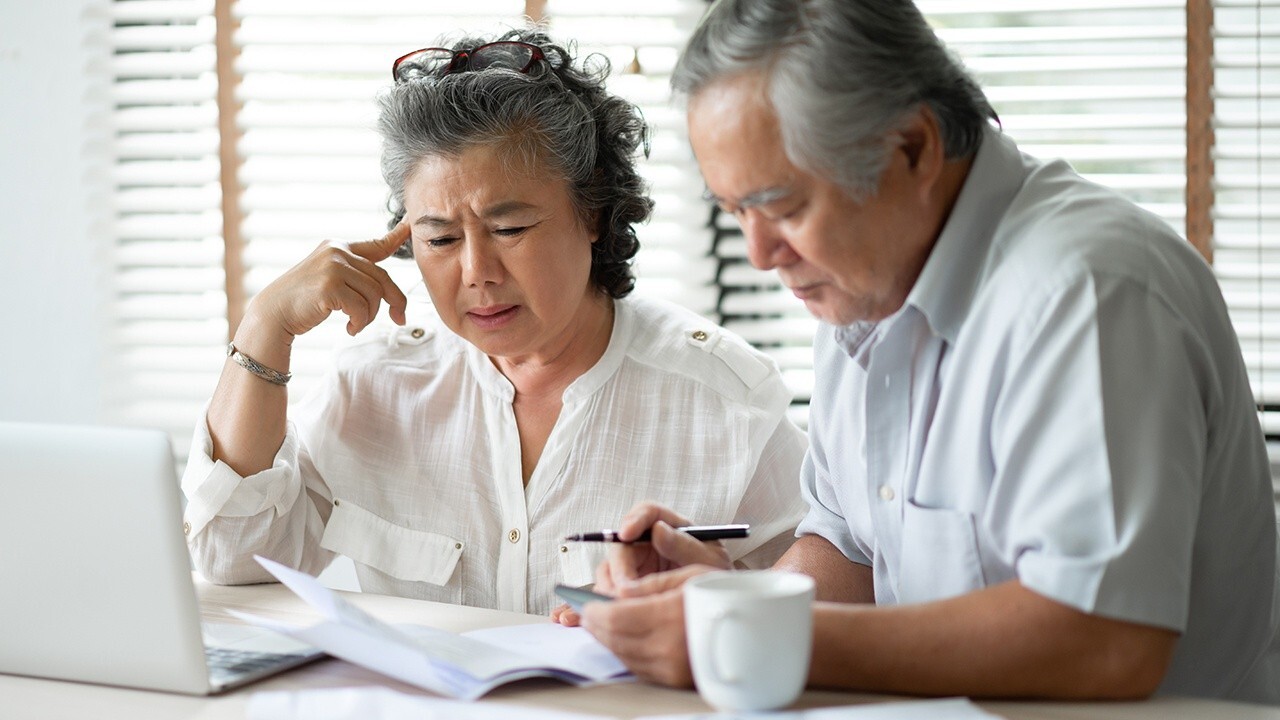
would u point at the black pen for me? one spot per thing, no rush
(698, 532)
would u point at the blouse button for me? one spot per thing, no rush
(514, 535)
(699, 335)
(564, 548)
(417, 333)
(886, 493)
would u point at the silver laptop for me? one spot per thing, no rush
(95, 581)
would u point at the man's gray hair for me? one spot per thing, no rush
(841, 76)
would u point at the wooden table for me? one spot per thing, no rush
(22, 698)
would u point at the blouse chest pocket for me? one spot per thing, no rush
(578, 562)
(940, 556)
(400, 552)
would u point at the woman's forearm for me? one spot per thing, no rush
(247, 413)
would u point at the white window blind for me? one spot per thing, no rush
(641, 41)
(307, 153)
(1247, 174)
(1100, 83)
(309, 75)
(167, 301)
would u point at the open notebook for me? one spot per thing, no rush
(465, 666)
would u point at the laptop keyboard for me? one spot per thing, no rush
(229, 663)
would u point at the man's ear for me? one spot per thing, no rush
(921, 143)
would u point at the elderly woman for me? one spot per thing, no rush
(449, 460)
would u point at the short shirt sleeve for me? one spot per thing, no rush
(826, 516)
(1099, 437)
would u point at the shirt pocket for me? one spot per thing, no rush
(402, 553)
(578, 562)
(940, 556)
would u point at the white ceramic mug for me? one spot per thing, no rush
(750, 633)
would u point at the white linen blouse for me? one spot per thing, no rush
(407, 460)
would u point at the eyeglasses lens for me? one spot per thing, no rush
(430, 61)
(515, 56)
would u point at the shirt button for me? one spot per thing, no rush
(417, 333)
(699, 335)
(186, 528)
(514, 535)
(564, 548)
(886, 493)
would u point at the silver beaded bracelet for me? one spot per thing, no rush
(275, 377)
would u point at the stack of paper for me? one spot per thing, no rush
(463, 666)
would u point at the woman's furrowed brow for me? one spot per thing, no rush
(497, 210)
(507, 207)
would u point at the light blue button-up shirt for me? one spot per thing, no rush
(1062, 401)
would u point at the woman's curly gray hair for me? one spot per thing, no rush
(557, 116)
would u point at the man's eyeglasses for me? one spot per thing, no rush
(439, 62)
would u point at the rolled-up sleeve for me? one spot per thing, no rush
(229, 518)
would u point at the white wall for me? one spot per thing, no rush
(51, 254)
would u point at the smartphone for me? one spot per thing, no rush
(577, 597)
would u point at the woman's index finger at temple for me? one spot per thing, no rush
(384, 247)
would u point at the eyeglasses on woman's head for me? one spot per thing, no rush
(438, 62)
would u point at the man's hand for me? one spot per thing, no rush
(667, 549)
(644, 626)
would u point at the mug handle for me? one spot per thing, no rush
(721, 615)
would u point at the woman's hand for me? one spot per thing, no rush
(667, 549)
(247, 416)
(336, 276)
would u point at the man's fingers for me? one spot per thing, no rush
(384, 247)
(646, 634)
(628, 562)
(604, 578)
(678, 548)
(658, 583)
(644, 515)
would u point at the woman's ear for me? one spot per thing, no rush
(592, 225)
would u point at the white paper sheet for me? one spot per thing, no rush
(945, 709)
(462, 666)
(385, 704)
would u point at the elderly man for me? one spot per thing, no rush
(1033, 444)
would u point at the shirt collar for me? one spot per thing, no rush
(954, 269)
(857, 339)
(956, 266)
